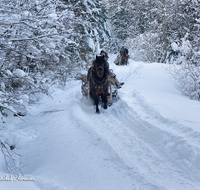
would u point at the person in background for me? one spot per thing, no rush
(112, 75)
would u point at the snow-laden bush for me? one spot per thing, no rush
(146, 47)
(45, 42)
(51, 36)
(15, 88)
(187, 77)
(186, 68)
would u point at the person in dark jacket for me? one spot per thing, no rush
(112, 75)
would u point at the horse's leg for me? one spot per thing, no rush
(96, 100)
(110, 100)
(105, 100)
(102, 97)
(88, 93)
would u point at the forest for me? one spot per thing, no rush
(43, 43)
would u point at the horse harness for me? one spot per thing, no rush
(98, 84)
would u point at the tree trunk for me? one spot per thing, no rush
(164, 30)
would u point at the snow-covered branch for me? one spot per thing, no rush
(187, 78)
(42, 36)
(10, 156)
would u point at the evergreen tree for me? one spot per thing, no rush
(148, 28)
(46, 42)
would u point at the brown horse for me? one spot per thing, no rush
(99, 81)
(124, 57)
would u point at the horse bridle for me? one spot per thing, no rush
(100, 67)
(99, 84)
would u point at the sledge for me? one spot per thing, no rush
(122, 58)
(85, 90)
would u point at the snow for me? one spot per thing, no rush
(52, 45)
(13, 183)
(198, 20)
(9, 73)
(148, 139)
(174, 46)
(52, 16)
(19, 73)
(26, 14)
(2, 86)
(90, 43)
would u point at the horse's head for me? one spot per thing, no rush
(100, 65)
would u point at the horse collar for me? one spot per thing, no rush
(99, 84)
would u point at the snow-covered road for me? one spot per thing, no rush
(149, 139)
